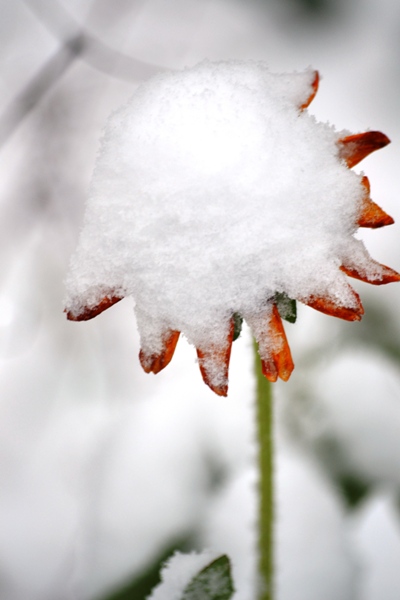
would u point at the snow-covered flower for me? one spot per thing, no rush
(216, 197)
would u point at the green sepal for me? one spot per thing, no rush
(237, 325)
(214, 582)
(286, 306)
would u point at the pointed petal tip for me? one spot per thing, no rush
(273, 347)
(371, 214)
(314, 90)
(146, 361)
(269, 370)
(333, 309)
(316, 80)
(383, 276)
(89, 312)
(214, 364)
(281, 354)
(154, 363)
(219, 390)
(395, 276)
(354, 148)
(218, 384)
(71, 316)
(366, 184)
(285, 373)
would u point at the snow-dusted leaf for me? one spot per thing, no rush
(237, 324)
(286, 307)
(214, 582)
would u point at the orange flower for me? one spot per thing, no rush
(266, 323)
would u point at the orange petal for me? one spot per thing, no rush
(91, 312)
(269, 369)
(381, 274)
(154, 363)
(314, 87)
(214, 364)
(330, 306)
(273, 347)
(366, 184)
(353, 148)
(280, 350)
(371, 214)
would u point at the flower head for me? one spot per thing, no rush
(216, 197)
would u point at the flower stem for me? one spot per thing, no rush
(264, 418)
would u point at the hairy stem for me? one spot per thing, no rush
(264, 417)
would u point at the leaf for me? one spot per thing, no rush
(237, 325)
(286, 307)
(214, 582)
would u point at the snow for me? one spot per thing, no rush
(235, 503)
(211, 192)
(376, 540)
(178, 572)
(314, 552)
(312, 541)
(353, 401)
(73, 418)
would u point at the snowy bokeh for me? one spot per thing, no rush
(103, 468)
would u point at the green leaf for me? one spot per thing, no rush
(214, 582)
(286, 307)
(237, 325)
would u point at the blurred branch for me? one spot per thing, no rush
(75, 43)
(42, 81)
(99, 55)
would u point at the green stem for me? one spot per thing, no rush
(264, 416)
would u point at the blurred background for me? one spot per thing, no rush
(105, 471)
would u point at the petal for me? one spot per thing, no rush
(154, 363)
(366, 184)
(378, 274)
(372, 215)
(353, 148)
(214, 363)
(273, 347)
(89, 312)
(314, 89)
(329, 305)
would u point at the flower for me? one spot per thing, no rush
(217, 197)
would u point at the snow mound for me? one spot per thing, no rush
(213, 190)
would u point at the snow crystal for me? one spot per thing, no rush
(212, 191)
